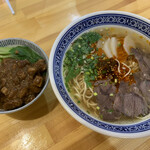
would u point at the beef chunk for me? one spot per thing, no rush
(29, 99)
(21, 74)
(38, 81)
(3, 82)
(22, 92)
(22, 63)
(13, 93)
(16, 80)
(35, 89)
(20, 82)
(5, 91)
(40, 65)
(12, 104)
(32, 71)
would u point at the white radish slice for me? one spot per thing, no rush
(99, 44)
(106, 48)
(113, 46)
(128, 44)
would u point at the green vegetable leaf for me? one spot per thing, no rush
(23, 53)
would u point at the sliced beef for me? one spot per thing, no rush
(104, 89)
(146, 58)
(118, 103)
(143, 61)
(110, 115)
(134, 105)
(130, 102)
(145, 88)
(142, 77)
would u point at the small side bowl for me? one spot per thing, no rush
(34, 47)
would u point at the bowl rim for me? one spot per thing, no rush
(46, 83)
(68, 109)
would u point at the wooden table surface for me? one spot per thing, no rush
(45, 124)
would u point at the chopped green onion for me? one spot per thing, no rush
(105, 83)
(88, 73)
(92, 57)
(111, 94)
(79, 102)
(95, 94)
(98, 108)
(101, 116)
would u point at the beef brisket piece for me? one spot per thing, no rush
(104, 89)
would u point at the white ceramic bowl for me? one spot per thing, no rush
(65, 38)
(34, 47)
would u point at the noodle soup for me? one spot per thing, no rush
(106, 73)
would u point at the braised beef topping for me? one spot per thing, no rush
(20, 82)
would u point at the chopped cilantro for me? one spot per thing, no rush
(76, 58)
(78, 102)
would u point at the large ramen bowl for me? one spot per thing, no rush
(65, 38)
(22, 42)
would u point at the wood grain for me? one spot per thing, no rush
(45, 125)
